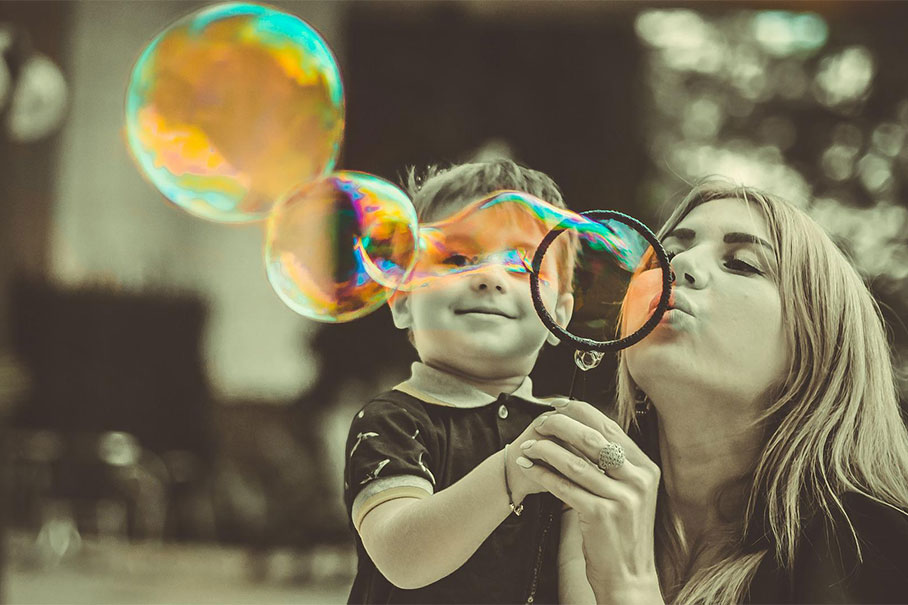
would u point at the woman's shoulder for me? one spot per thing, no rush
(858, 557)
(880, 529)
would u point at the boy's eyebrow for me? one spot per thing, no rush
(462, 239)
(735, 237)
(458, 239)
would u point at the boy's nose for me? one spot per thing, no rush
(488, 279)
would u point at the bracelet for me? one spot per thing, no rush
(515, 508)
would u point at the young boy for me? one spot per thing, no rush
(429, 482)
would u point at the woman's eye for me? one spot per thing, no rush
(736, 264)
(652, 261)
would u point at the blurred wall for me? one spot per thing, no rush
(26, 169)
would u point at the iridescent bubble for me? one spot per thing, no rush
(336, 248)
(505, 229)
(231, 107)
(597, 257)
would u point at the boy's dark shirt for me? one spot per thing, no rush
(433, 445)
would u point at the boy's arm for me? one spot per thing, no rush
(573, 586)
(417, 541)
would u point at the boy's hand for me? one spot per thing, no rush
(521, 485)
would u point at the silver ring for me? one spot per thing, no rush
(610, 457)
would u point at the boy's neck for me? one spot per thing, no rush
(492, 386)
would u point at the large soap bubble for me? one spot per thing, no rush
(231, 107)
(337, 248)
(605, 253)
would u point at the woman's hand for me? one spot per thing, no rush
(616, 508)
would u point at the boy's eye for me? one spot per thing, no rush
(458, 260)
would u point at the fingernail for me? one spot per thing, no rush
(540, 420)
(524, 462)
(560, 403)
(527, 444)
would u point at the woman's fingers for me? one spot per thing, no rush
(576, 469)
(595, 423)
(578, 437)
(578, 498)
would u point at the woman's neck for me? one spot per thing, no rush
(703, 452)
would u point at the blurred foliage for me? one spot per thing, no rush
(811, 107)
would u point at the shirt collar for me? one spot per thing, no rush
(434, 386)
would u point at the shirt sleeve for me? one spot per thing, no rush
(387, 458)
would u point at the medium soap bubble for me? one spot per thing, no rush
(337, 248)
(231, 107)
(598, 257)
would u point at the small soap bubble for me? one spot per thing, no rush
(337, 248)
(231, 107)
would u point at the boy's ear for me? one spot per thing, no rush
(564, 309)
(400, 310)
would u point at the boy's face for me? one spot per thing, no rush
(475, 315)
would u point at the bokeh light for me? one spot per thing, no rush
(845, 77)
(791, 103)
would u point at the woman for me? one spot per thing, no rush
(770, 462)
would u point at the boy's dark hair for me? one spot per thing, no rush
(439, 192)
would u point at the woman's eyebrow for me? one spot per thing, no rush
(746, 238)
(735, 237)
(682, 234)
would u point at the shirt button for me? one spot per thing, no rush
(503, 412)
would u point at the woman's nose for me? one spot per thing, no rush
(688, 269)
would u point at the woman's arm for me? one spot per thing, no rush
(615, 509)
(573, 587)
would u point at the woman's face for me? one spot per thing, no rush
(722, 340)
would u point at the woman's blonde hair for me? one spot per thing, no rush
(834, 424)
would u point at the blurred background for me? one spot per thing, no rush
(171, 432)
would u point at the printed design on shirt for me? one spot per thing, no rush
(374, 474)
(425, 468)
(414, 435)
(359, 439)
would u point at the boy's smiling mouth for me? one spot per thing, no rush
(483, 310)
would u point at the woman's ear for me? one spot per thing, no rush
(564, 309)
(400, 310)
